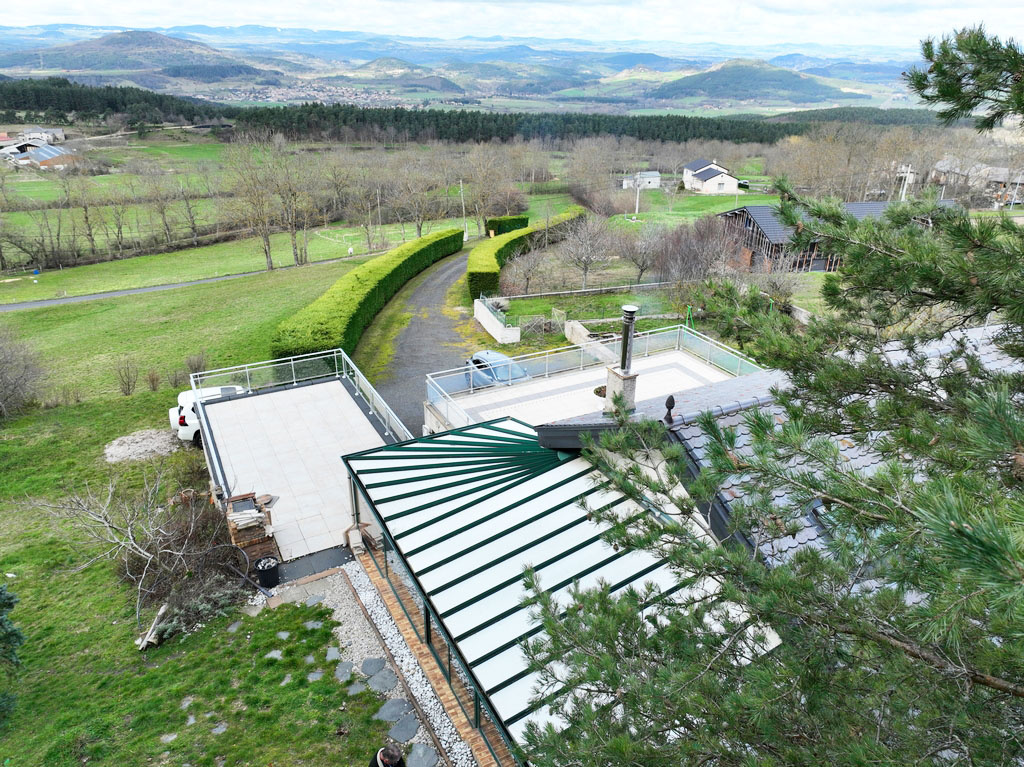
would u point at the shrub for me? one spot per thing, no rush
(127, 375)
(339, 317)
(505, 224)
(487, 258)
(20, 374)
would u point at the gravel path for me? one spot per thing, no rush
(427, 344)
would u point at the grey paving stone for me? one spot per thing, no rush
(220, 728)
(186, 702)
(282, 635)
(169, 737)
(343, 671)
(314, 599)
(421, 756)
(234, 627)
(372, 665)
(286, 680)
(393, 710)
(314, 676)
(333, 653)
(356, 688)
(313, 624)
(274, 655)
(383, 680)
(191, 720)
(310, 660)
(405, 728)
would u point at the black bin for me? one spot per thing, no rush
(268, 572)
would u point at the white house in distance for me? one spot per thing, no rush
(713, 180)
(697, 166)
(645, 179)
(47, 135)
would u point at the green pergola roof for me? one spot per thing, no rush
(467, 511)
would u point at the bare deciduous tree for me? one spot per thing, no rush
(707, 247)
(249, 173)
(127, 373)
(20, 374)
(586, 246)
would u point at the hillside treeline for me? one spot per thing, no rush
(343, 122)
(55, 94)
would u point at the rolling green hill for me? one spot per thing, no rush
(751, 80)
(118, 51)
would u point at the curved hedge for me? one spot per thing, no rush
(339, 316)
(504, 224)
(487, 258)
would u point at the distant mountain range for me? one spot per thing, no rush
(262, 64)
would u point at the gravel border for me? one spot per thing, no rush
(459, 754)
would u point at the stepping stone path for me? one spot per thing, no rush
(282, 635)
(314, 600)
(343, 671)
(405, 729)
(220, 728)
(313, 625)
(421, 756)
(356, 688)
(310, 660)
(274, 655)
(393, 710)
(234, 627)
(286, 680)
(383, 680)
(314, 676)
(372, 665)
(169, 738)
(186, 702)
(333, 653)
(191, 720)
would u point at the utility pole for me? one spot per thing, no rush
(465, 224)
(906, 178)
(636, 183)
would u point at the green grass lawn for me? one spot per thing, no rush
(232, 320)
(87, 695)
(807, 291)
(654, 205)
(594, 306)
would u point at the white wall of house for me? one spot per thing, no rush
(646, 182)
(723, 183)
(688, 175)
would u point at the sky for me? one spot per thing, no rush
(891, 23)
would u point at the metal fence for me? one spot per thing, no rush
(446, 386)
(270, 375)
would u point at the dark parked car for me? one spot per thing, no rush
(488, 368)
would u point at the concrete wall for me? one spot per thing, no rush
(492, 325)
(577, 333)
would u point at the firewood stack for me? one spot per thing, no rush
(249, 526)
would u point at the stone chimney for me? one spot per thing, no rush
(622, 379)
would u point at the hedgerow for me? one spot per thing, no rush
(339, 317)
(487, 258)
(505, 224)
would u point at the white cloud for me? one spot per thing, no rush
(866, 22)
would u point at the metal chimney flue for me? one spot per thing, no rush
(628, 322)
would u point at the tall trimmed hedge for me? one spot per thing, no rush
(487, 258)
(504, 224)
(339, 316)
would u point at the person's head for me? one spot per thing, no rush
(390, 754)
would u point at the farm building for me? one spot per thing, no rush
(765, 239)
(51, 157)
(714, 181)
(645, 179)
(692, 168)
(46, 135)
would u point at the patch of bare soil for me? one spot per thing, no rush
(148, 443)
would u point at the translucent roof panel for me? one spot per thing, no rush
(469, 511)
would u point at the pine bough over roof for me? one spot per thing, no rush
(468, 511)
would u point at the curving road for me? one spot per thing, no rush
(427, 344)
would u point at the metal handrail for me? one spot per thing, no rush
(686, 339)
(335, 364)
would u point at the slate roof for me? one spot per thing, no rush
(704, 175)
(697, 165)
(767, 217)
(730, 399)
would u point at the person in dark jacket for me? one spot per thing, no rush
(389, 756)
